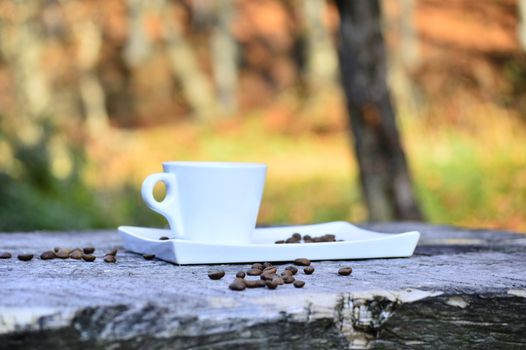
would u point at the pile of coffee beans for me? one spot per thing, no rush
(297, 238)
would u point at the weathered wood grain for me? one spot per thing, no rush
(462, 288)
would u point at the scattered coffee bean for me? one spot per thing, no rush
(88, 257)
(5, 255)
(265, 276)
(257, 266)
(240, 274)
(278, 280)
(164, 238)
(112, 252)
(76, 254)
(49, 254)
(88, 250)
(270, 269)
(254, 272)
(63, 253)
(292, 240)
(296, 236)
(266, 264)
(148, 256)
(237, 285)
(254, 283)
(308, 270)
(288, 279)
(302, 262)
(110, 259)
(298, 283)
(281, 241)
(216, 275)
(345, 271)
(292, 269)
(271, 284)
(287, 273)
(307, 238)
(25, 257)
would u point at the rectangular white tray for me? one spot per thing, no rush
(357, 244)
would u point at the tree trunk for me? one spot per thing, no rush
(321, 61)
(384, 175)
(225, 55)
(197, 87)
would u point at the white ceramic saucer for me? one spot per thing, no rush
(357, 244)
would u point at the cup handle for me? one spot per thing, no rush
(164, 207)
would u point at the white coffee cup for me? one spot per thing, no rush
(209, 201)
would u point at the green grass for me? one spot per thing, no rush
(466, 171)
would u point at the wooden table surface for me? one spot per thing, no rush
(461, 289)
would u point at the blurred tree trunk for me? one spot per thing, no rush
(404, 57)
(197, 87)
(21, 44)
(138, 45)
(91, 91)
(384, 175)
(321, 62)
(34, 129)
(522, 23)
(225, 55)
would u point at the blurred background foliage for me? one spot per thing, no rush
(94, 95)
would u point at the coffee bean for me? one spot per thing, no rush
(254, 283)
(271, 284)
(88, 250)
(49, 254)
(88, 257)
(292, 269)
(257, 266)
(302, 262)
(148, 256)
(110, 259)
(286, 273)
(278, 280)
(240, 274)
(25, 257)
(112, 252)
(307, 238)
(216, 275)
(266, 264)
(280, 242)
(288, 279)
(330, 237)
(237, 285)
(345, 271)
(76, 254)
(270, 269)
(296, 236)
(254, 272)
(298, 284)
(163, 238)
(292, 240)
(265, 276)
(63, 253)
(308, 270)
(5, 255)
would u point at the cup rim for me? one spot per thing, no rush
(215, 164)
